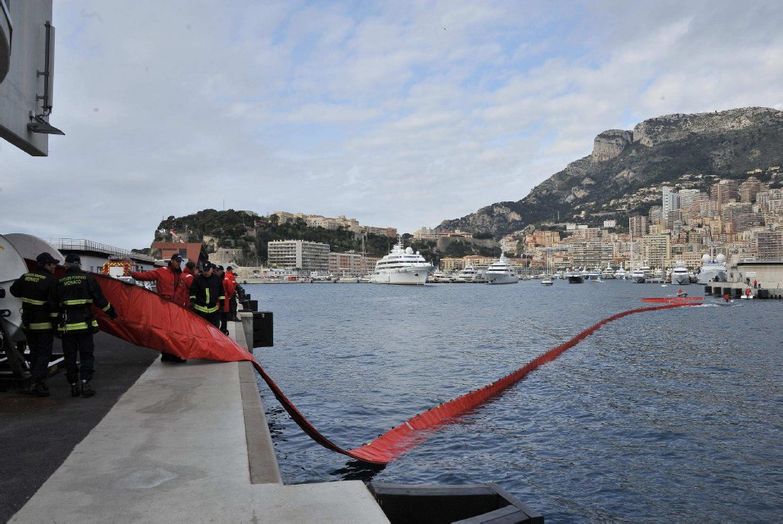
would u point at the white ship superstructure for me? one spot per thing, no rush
(680, 275)
(501, 272)
(401, 266)
(712, 269)
(466, 275)
(641, 274)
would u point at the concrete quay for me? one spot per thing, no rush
(188, 443)
(764, 279)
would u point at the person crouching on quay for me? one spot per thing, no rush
(76, 292)
(206, 295)
(39, 313)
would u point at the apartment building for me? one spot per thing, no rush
(298, 254)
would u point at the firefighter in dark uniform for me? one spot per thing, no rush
(39, 317)
(76, 293)
(206, 295)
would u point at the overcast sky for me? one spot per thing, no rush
(395, 113)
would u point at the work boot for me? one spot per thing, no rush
(87, 390)
(40, 390)
(75, 390)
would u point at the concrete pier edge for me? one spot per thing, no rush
(189, 443)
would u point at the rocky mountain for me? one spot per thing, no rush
(622, 175)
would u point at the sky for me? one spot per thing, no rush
(395, 113)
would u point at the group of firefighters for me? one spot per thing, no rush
(63, 307)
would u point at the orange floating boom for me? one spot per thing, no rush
(147, 320)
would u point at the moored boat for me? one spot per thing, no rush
(401, 266)
(501, 272)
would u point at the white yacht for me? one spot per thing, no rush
(641, 274)
(401, 266)
(607, 273)
(712, 269)
(621, 274)
(466, 275)
(501, 272)
(680, 276)
(439, 277)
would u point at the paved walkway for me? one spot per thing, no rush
(174, 449)
(38, 434)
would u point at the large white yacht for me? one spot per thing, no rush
(621, 273)
(401, 266)
(607, 273)
(712, 269)
(680, 275)
(501, 272)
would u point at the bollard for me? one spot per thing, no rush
(252, 305)
(263, 331)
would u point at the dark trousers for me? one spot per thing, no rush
(212, 318)
(233, 307)
(82, 344)
(223, 321)
(40, 344)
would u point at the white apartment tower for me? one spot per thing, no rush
(298, 254)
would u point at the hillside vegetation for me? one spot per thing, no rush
(626, 167)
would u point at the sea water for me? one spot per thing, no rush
(673, 414)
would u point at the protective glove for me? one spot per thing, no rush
(111, 312)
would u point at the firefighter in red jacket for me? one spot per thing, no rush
(189, 273)
(39, 316)
(168, 281)
(232, 299)
(229, 287)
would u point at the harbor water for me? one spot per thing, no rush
(669, 415)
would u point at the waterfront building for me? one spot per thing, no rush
(449, 264)
(592, 254)
(769, 245)
(350, 264)
(656, 250)
(298, 254)
(477, 261)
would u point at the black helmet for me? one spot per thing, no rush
(45, 258)
(73, 258)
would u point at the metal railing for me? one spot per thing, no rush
(80, 244)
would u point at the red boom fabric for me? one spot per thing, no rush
(147, 320)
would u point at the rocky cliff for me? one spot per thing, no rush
(686, 150)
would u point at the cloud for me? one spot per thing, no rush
(398, 114)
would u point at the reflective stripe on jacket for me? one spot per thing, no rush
(36, 289)
(76, 293)
(206, 294)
